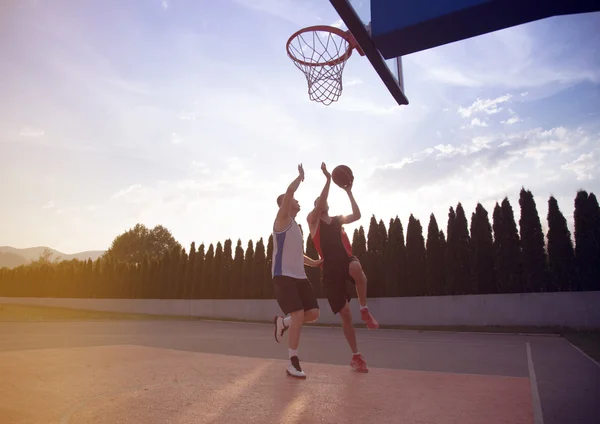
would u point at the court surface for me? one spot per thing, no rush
(220, 372)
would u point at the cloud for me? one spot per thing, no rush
(31, 132)
(476, 122)
(486, 154)
(586, 166)
(539, 54)
(49, 205)
(512, 120)
(176, 139)
(488, 106)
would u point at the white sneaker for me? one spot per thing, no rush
(294, 368)
(280, 328)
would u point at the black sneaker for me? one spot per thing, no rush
(294, 368)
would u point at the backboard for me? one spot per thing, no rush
(387, 30)
(356, 15)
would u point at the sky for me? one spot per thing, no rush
(189, 114)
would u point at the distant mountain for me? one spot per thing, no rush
(11, 257)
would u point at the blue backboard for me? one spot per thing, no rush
(386, 30)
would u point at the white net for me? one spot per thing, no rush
(322, 61)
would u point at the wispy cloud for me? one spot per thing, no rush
(487, 106)
(586, 166)
(31, 132)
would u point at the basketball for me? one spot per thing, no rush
(342, 176)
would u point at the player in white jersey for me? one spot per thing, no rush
(293, 291)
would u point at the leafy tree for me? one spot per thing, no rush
(134, 244)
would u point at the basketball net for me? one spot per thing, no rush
(321, 52)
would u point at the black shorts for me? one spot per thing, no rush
(294, 294)
(338, 284)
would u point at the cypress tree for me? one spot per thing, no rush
(400, 255)
(235, 285)
(452, 285)
(535, 272)
(389, 263)
(182, 273)
(415, 257)
(595, 224)
(189, 272)
(359, 244)
(482, 250)
(587, 249)
(372, 265)
(197, 290)
(435, 259)
(208, 273)
(226, 270)
(258, 270)
(561, 255)
(507, 248)
(268, 290)
(247, 274)
(217, 272)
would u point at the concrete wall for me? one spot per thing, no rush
(569, 309)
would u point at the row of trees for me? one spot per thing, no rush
(497, 257)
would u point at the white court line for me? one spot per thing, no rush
(538, 418)
(584, 354)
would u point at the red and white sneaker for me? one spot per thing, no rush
(371, 322)
(280, 327)
(294, 369)
(358, 363)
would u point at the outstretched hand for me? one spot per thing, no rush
(301, 172)
(348, 188)
(325, 171)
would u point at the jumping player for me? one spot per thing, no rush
(340, 266)
(293, 290)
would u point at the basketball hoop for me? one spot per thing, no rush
(322, 61)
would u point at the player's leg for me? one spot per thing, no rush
(310, 304)
(358, 362)
(288, 298)
(360, 279)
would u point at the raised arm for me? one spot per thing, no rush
(355, 215)
(322, 200)
(283, 215)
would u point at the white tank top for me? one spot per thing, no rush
(288, 252)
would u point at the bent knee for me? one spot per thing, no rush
(345, 313)
(312, 315)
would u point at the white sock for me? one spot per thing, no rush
(363, 307)
(293, 352)
(356, 354)
(287, 320)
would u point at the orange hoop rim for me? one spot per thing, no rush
(347, 35)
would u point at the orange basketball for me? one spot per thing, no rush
(342, 176)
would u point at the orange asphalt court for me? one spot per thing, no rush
(136, 384)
